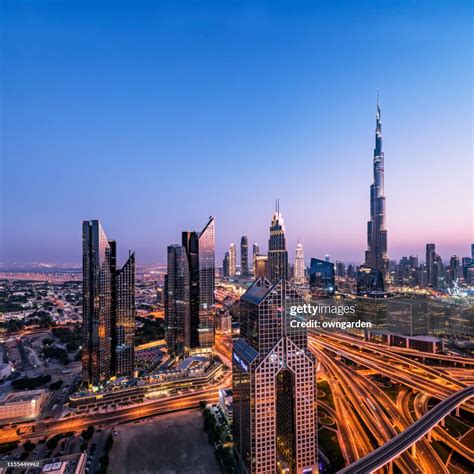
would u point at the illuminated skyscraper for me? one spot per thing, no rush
(299, 263)
(376, 253)
(200, 250)
(255, 252)
(244, 256)
(177, 306)
(274, 391)
(430, 260)
(232, 260)
(108, 308)
(261, 267)
(123, 332)
(277, 253)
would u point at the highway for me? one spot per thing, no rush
(393, 448)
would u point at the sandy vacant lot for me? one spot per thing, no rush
(169, 444)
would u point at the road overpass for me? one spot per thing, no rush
(396, 446)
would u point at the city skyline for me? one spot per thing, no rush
(302, 113)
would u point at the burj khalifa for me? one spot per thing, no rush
(376, 253)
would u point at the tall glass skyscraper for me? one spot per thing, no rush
(200, 251)
(177, 302)
(277, 252)
(376, 253)
(274, 384)
(108, 308)
(244, 256)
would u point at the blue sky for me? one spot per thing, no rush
(151, 116)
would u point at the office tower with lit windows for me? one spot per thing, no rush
(299, 263)
(108, 308)
(232, 260)
(123, 331)
(376, 253)
(177, 307)
(255, 252)
(277, 252)
(200, 251)
(274, 385)
(244, 256)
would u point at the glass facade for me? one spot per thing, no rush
(277, 252)
(177, 305)
(244, 256)
(322, 280)
(369, 280)
(108, 308)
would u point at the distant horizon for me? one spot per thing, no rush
(150, 117)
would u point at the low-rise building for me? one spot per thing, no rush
(20, 406)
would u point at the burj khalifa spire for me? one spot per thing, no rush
(376, 253)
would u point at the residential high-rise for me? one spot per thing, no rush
(244, 256)
(200, 251)
(277, 253)
(123, 331)
(430, 259)
(232, 260)
(376, 253)
(255, 252)
(177, 307)
(274, 390)
(108, 308)
(299, 263)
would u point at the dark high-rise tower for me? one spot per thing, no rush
(244, 256)
(274, 394)
(430, 264)
(255, 252)
(277, 253)
(200, 251)
(376, 253)
(108, 308)
(177, 307)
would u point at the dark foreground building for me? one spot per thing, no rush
(369, 280)
(274, 385)
(108, 308)
(177, 302)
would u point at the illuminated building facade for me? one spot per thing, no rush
(274, 390)
(277, 253)
(299, 263)
(108, 308)
(376, 253)
(232, 260)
